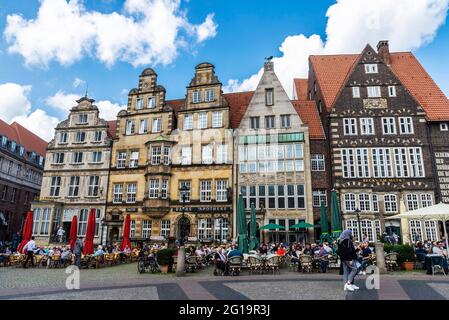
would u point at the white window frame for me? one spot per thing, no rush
(209, 95)
(165, 228)
(444, 126)
(196, 96)
(221, 188)
(188, 122)
(222, 154)
(151, 102)
(367, 126)
(205, 190)
(217, 119)
(117, 190)
(156, 125)
(55, 186)
(143, 127)
(371, 68)
(392, 91)
(139, 103)
(153, 188)
(350, 126)
(318, 197)
(93, 189)
(207, 154)
(186, 155)
(390, 203)
(356, 92)
(317, 162)
(203, 120)
(130, 127)
(74, 186)
(134, 159)
(350, 202)
(131, 192)
(374, 91)
(406, 125)
(388, 125)
(121, 159)
(147, 225)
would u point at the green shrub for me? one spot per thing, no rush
(165, 257)
(406, 253)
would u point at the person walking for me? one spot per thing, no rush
(29, 249)
(78, 250)
(60, 234)
(348, 256)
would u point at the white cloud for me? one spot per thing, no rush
(109, 110)
(14, 100)
(408, 24)
(78, 82)
(40, 123)
(145, 32)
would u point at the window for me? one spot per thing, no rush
(74, 186)
(269, 97)
(350, 126)
(319, 197)
(132, 228)
(221, 190)
(188, 122)
(55, 186)
(134, 159)
(205, 191)
(366, 227)
(130, 127)
(412, 202)
(430, 230)
(389, 125)
(382, 166)
(205, 229)
(157, 125)
(301, 196)
(378, 229)
(206, 154)
(13, 195)
(405, 125)
(426, 200)
(217, 119)
(118, 193)
(186, 155)
(63, 137)
(45, 221)
(391, 91)
(139, 104)
(366, 126)
(187, 193)
(82, 118)
(348, 163)
(375, 202)
(370, 68)
(164, 189)
(373, 92)
(416, 162)
(131, 192)
(202, 120)
(350, 202)
(221, 228)
(36, 218)
(390, 203)
(444, 127)
(416, 231)
(210, 95)
(97, 156)
(196, 96)
(4, 192)
(58, 158)
(94, 183)
(271, 197)
(121, 159)
(353, 225)
(143, 128)
(151, 102)
(400, 156)
(153, 189)
(356, 92)
(78, 157)
(80, 136)
(285, 121)
(270, 122)
(166, 155)
(155, 155)
(222, 153)
(363, 168)
(165, 228)
(364, 202)
(317, 162)
(146, 228)
(82, 221)
(254, 122)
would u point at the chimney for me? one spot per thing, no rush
(268, 65)
(383, 49)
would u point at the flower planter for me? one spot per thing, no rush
(164, 269)
(408, 266)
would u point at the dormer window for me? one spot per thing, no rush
(82, 118)
(151, 102)
(391, 91)
(196, 96)
(371, 68)
(210, 96)
(63, 137)
(13, 146)
(4, 141)
(356, 92)
(444, 127)
(21, 151)
(269, 97)
(139, 104)
(373, 92)
(80, 136)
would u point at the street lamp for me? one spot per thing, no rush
(221, 227)
(357, 212)
(180, 269)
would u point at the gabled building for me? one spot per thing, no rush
(376, 108)
(272, 161)
(75, 174)
(22, 155)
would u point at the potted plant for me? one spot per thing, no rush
(406, 257)
(165, 259)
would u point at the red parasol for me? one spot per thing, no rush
(73, 231)
(90, 234)
(126, 232)
(26, 231)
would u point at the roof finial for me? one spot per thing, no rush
(268, 59)
(87, 89)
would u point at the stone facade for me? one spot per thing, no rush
(272, 161)
(439, 138)
(75, 175)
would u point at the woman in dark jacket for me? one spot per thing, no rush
(347, 253)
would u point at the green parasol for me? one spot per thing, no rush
(271, 226)
(324, 225)
(253, 242)
(241, 225)
(335, 215)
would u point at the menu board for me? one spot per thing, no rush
(442, 164)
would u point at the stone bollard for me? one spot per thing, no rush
(180, 264)
(380, 257)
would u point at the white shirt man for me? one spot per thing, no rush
(60, 233)
(30, 246)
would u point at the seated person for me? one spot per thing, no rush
(221, 261)
(280, 251)
(99, 252)
(319, 255)
(65, 255)
(263, 249)
(365, 253)
(438, 248)
(307, 249)
(235, 252)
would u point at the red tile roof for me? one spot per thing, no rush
(332, 70)
(238, 102)
(301, 86)
(24, 137)
(176, 104)
(308, 113)
(112, 127)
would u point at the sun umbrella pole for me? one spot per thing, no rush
(445, 234)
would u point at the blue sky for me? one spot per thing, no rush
(244, 33)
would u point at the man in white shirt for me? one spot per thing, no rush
(29, 249)
(60, 234)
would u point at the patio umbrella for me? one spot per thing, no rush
(73, 231)
(241, 224)
(323, 222)
(302, 225)
(126, 233)
(27, 231)
(271, 226)
(253, 243)
(335, 215)
(436, 212)
(90, 234)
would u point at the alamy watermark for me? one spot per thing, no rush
(72, 281)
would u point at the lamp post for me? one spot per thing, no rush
(180, 265)
(357, 212)
(103, 223)
(221, 227)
